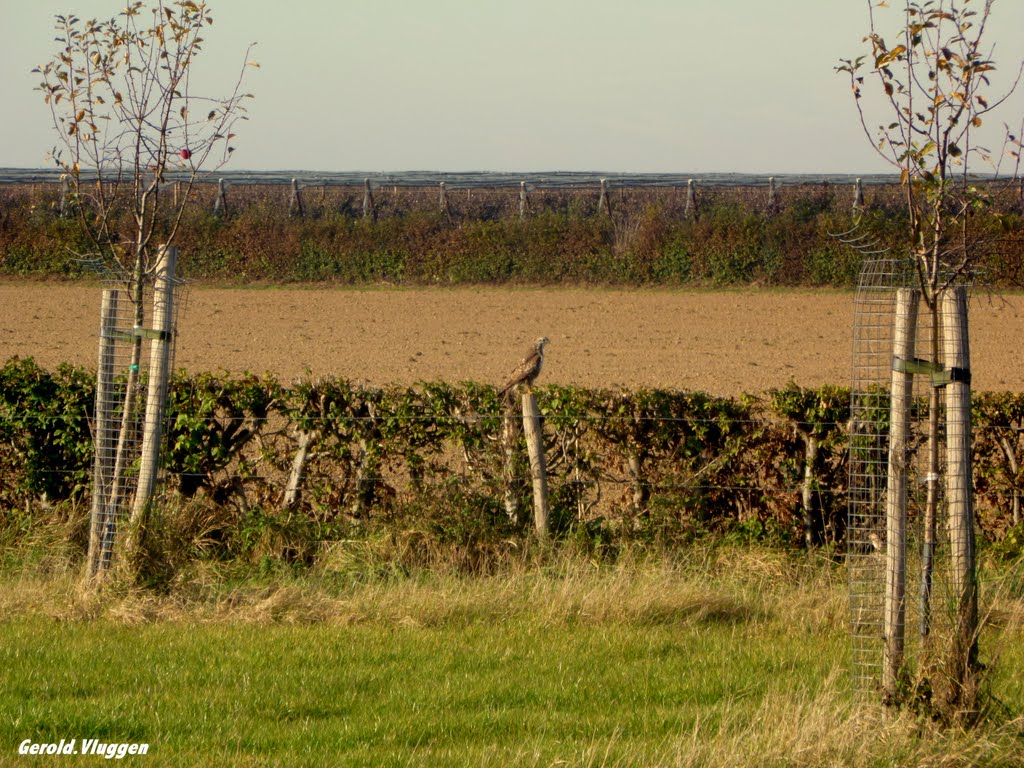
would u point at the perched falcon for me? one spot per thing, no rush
(528, 369)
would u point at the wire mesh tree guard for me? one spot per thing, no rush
(138, 324)
(913, 588)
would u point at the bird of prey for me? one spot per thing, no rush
(528, 369)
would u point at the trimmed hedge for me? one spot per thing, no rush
(661, 466)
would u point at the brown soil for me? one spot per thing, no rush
(723, 342)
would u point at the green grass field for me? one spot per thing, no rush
(738, 659)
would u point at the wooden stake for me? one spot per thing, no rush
(105, 433)
(905, 332)
(509, 440)
(156, 396)
(293, 491)
(959, 484)
(524, 201)
(858, 196)
(635, 465)
(807, 489)
(538, 471)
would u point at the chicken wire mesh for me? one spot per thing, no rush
(910, 517)
(138, 328)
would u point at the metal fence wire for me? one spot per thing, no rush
(127, 338)
(910, 531)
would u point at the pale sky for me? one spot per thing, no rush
(681, 86)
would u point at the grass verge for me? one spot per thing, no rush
(719, 657)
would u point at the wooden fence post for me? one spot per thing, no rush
(524, 201)
(904, 335)
(773, 197)
(293, 490)
(220, 205)
(156, 396)
(691, 200)
(538, 470)
(959, 491)
(64, 207)
(858, 196)
(604, 203)
(442, 200)
(105, 433)
(509, 440)
(369, 212)
(295, 206)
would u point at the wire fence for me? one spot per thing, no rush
(487, 195)
(912, 518)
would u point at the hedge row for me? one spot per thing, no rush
(657, 465)
(646, 240)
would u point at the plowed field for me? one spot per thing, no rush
(722, 342)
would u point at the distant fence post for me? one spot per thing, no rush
(691, 211)
(369, 212)
(538, 470)
(64, 207)
(773, 196)
(442, 200)
(295, 206)
(858, 196)
(220, 205)
(524, 201)
(604, 203)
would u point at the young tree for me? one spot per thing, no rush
(122, 104)
(933, 79)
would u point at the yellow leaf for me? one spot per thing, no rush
(976, 122)
(80, 116)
